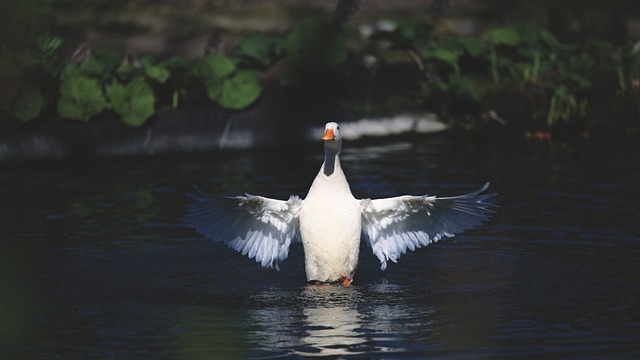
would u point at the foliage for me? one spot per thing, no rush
(100, 66)
(81, 98)
(103, 81)
(134, 102)
(224, 85)
(500, 37)
(556, 81)
(28, 102)
(564, 105)
(259, 50)
(627, 68)
(20, 93)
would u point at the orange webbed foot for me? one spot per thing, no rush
(345, 280)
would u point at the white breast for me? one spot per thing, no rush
(330, 228)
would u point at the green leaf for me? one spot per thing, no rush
(157, 73)
(67, 108)
(214, 68)
(69, 71)
(48, 44)
(447, 56)
(503, 36)
(80, 98)
(134, 102)
(237, 92)
(148, 61)
(473, 46)
(229, 89)
(105, 60)
(259, 48)
(126, 70)
(28, 104)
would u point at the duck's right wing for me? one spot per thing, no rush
(256, 226)
(393, 225)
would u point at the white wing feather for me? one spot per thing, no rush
(255, 226)
(393, 225)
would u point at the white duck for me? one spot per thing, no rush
(330, 221)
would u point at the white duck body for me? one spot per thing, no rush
(330, 222)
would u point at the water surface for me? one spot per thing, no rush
(96, 263)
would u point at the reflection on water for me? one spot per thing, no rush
(311, 321)
(331, 331)
(331, 321)
(96, 263)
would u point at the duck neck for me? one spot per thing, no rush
(331, 159)
(330, 164)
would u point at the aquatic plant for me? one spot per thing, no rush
(224, 83)
(81, 87)
(554, 80)
(81, 98)
(258, 50)
(96, 80)
(23, 72)
(497, 37)
(133, 101)
(554, 83)
(626, 64)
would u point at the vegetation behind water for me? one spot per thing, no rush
(516, 74)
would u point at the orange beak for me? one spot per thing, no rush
(329, 135)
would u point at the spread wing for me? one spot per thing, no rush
(393, 225)
(256, 226)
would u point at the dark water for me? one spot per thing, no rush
(95, 262)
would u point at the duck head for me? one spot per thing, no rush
(332, 139)
(332, 146)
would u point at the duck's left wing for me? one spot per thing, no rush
(393, 225)
(256, 226)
